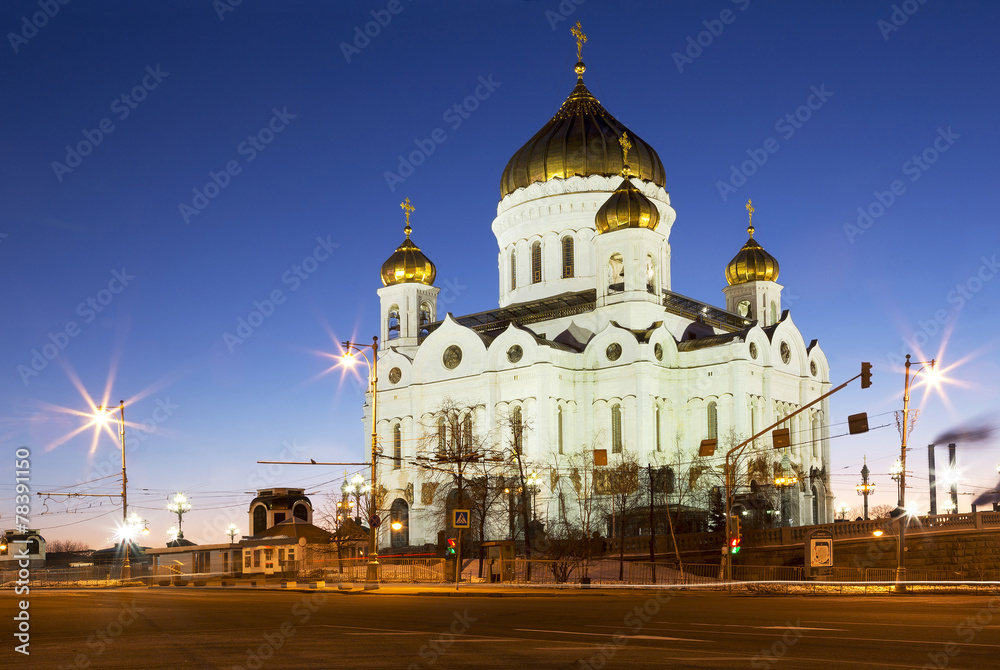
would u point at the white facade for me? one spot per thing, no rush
(592, 345)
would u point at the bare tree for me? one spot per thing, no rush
(62, 546)
(620, 484)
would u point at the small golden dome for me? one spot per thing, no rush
(752, 263)
(580, 140)
(408, 264)
(626, 208)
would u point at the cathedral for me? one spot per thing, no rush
(590, 348)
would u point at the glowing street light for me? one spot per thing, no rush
(864, 488)
(901, 549)
(232, 530)
(349, 359)
(534, 483)
(179, 506)
(842, 510)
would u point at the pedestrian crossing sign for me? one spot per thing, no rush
(460, 518)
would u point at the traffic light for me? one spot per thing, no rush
(866, 375)
(734, 534)
(450, 551)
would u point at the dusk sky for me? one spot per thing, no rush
(164, 167)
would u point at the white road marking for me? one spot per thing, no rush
(631, 637)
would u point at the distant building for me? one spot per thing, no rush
(15, 546)
(272, 506)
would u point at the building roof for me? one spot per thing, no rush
(294, 529)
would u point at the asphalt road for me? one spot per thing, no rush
(226, 628)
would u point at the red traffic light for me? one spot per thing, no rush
(734, 545)
(450, 551)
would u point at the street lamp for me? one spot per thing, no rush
(842, 510)
(783, 481)
(103, 415)
(349, 358)
(179, 506)
(900, 552)
(232, 531)
(126, 534)
(534, 483)
(864, 488)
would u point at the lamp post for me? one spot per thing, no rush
(103, 415)
(534, 486)
(371, 582)
(232, 531)
(901, 549)
(864, 488)
(179, 506)
(783, 482)
(843, 509)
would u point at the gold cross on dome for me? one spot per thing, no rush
(581, 39)
(407, 207)
(626, 145)
(750, 211)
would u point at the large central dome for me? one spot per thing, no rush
(580, 140)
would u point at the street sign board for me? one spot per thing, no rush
(374, 520)
(460, 518)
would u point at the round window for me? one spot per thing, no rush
(514, 353)
(753, 350)
(786, 352)
(658, 351)
(395, 375)
(614, 351)
(813, 368)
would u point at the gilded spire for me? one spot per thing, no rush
(581, 39)
(752, 263)
(626, 145)
(407, 207)
(750, 211)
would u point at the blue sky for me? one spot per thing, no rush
(249, 159)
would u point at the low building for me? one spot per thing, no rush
(15, 547)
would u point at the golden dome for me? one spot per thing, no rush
(580, 140)
(752, 263)
(626, 208)
(408, 264)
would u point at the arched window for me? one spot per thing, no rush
(517, 429)
(393, 319)
(259, 519)
(616, 273)
(651, 275)
(536, 262)
(616, 429)
(425, 317)
(815, 505)
(656, 419)
(442, 435)
(399, 513)
(513, 270)
(300, 511)
(466, 444)
(567, 257)
(397, 447)
(713, 421)
(559, 429)
(774, 313)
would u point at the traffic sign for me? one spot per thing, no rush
(460, 518)
(374, 520)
